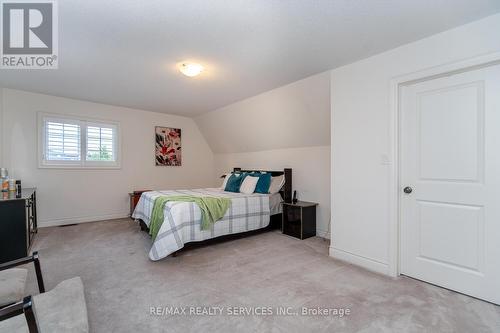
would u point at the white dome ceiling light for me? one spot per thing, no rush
(190, 69)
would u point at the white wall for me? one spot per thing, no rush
(285, 127)
(310, 174)
(70, 196)
(295, 115)
(361, 136)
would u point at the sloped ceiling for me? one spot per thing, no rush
(295, 115)
(125, 52)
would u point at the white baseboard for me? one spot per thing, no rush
(80, 219)
(370, 264)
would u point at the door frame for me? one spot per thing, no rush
(396, 84)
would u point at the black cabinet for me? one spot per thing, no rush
(18, 223)
(299, 219)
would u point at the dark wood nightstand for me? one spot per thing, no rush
(299, 219)
(134, 199)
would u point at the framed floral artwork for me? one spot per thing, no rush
(168, 150)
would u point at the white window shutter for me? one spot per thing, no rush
(62, 141)
(71, 142)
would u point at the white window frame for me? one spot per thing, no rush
(83, 123)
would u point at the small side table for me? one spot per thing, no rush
(299, 219)
(134, 199)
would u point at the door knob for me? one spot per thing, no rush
(407, 190)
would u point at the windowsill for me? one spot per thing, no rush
(80, 167)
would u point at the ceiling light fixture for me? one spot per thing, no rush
(190, 69)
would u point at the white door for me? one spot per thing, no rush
(450, 158)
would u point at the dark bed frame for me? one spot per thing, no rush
(275, 222)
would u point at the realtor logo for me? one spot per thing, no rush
(29, 34)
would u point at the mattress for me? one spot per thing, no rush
(275, 201)
(182, 220)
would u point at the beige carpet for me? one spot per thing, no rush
(266, 270)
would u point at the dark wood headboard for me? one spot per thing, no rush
(286, 190)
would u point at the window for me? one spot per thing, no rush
(100, 143)
(62, 141)
(76, 142)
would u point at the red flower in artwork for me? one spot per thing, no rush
(164, 150)
(171, 151)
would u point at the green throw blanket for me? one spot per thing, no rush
(212, 210)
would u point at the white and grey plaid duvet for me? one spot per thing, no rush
(182, 219)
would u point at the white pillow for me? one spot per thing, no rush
(276, 184)
(249, 184)
(224, 183)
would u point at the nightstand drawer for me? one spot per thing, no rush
(293, 215)
(293, 225)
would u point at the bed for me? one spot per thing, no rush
(182, 220)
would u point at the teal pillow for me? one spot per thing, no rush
(234, 182)
(264, 183)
